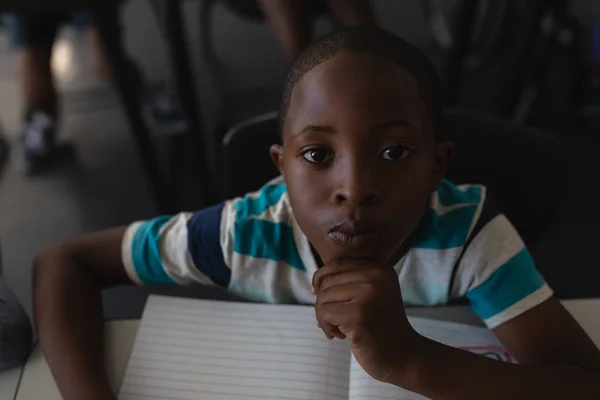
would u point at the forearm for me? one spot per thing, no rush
(442, 372)
(68, 314)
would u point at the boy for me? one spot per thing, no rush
(362, 219)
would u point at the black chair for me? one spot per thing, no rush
(526, 170)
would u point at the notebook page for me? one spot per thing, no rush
(471, 338)
(200, 349)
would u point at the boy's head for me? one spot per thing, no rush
(362, 148)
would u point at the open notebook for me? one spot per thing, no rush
(199, 349)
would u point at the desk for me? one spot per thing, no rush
(9, 380)
(37, 382)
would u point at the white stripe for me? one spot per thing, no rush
(279, 212)
(493, 246)
(304, 249)
(273, 182)
(126, 252)
(268, 281)
(525, 304)
(228, 215)
(427, 269)
(175, 254)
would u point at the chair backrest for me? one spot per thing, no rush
(526, 170)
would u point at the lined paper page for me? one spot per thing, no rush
(200, 349)
(466, 337)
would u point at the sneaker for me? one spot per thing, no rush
(38, 143)
(166, 115)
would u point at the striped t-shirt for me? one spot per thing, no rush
(254, 247)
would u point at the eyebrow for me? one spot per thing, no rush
(390, 124)
(375, 128)
(315, 128)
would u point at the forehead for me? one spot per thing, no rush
(357, 86)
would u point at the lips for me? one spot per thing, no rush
(352, 235)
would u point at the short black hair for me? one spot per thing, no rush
(379, 43)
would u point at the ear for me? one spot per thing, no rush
(276, 152)
(444, 152)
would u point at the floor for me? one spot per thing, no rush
(105, 185)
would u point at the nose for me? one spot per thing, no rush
(354, 184)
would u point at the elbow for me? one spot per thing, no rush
(47, 261)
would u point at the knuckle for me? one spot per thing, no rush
(369, 290)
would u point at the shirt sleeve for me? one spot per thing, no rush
(497, 273)
(177, 250)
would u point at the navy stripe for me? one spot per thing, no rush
(204, 243)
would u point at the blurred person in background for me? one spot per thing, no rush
(15, 328)
(292, 19)
(33, 36)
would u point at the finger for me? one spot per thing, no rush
(342, 265)
(361, 275)
(342, 293)
(329, 330)
(336, 318)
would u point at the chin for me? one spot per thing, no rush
(337, 253)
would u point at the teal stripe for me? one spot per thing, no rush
(146, 253)
(424, 293)
(446, 231)
(449, 230)
(449, 194)
(265, 239)
(268, 197)
(511, 283)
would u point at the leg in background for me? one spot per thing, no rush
(33, 37)
(36, 79)
(100, 63)
(352, 12)
(291, 20)
(164, 111)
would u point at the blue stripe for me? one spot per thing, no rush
(424, 293)
(449, 194)
(449, 230)
(204, 243)
(446, 231)
(509, 284)
(269, 196)
(145, 253)
(265, 239)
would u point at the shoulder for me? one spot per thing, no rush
(454, 213)
(261, 225)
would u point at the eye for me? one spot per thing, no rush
(317, 156)
(395, 153)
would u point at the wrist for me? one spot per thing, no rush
(98, 390)
(406, 372)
